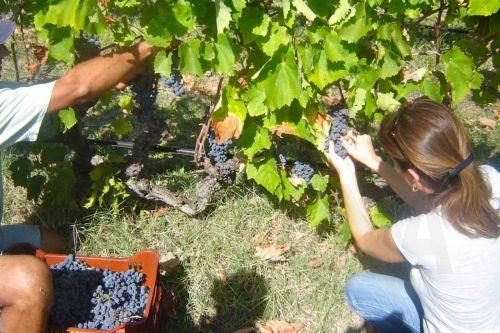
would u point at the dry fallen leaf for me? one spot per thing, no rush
(161, 211)
(275, 227)
(316, 262)
(488, 122)
(280, 326)
(272, 252)
(168, 262)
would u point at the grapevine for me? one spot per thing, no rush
(277, 60)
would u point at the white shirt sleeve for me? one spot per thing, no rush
(22, 110)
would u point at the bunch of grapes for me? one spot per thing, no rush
(303, 171)
(338, 129)
(282, 159)
(174, 83)
(87, 46)
(145, 92)
(95, 299)
(219, 153)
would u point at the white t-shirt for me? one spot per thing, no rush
(457, 278)
(22, 110)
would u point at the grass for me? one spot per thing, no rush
(220, 283)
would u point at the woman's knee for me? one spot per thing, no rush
(357, 286)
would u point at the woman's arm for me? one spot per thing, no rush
(360, 147)
(377, 243)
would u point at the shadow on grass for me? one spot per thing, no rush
(240, 300)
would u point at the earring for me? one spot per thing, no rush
(414, 188)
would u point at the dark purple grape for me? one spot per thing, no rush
(339, 128)
(219, 154)
(303, 171)
(95, 299)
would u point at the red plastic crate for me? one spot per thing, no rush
(145, 262)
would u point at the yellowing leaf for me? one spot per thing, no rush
(228, 128)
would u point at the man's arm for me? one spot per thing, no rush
(91, 78)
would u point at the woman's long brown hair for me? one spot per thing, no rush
(428, 137)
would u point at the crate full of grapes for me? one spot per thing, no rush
(113, 295)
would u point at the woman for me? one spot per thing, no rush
(453, 245)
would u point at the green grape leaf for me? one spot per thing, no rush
(251, 19)
(265, 174)
(339, 50)
(306, 58)
(303, 8)
(35, 187)
(358, 102)
(184, 14)
(163, 63)
(121, 127)
(126, 102)
(256, 98)
(389, 66)
(282, 85)
(69, 13)
(325, 73)
(53, 154)
(392, 32)
(319, 183)
(254, 139)
(458, 70)
(61, 47)
(357, 27)
(433, 90)
(68, 118)
(126, 3)
(344, 11)
(318, 211)
(20, 171)
(386, 102)
(223, 13)
(226, 57)
(286, 190)
(483, 7)
(277, 37)
(189, 55)
(344, 235)
(262, 27)
(379, 218)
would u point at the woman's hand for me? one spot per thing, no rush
(360, 147)
(344, 166)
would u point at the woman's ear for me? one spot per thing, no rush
(418, 182)
(414, 176)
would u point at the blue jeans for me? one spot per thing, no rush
(386, 302)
